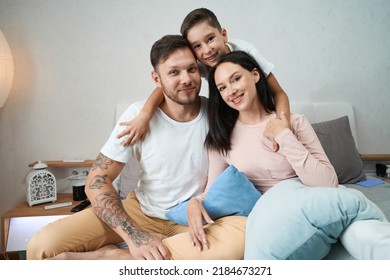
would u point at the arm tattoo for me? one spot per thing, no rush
(102, 162)
(98, 181)
(109, 208)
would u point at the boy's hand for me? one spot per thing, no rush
(196, 214)
(275, 126)
(136, 130)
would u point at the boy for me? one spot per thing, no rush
(209, 41)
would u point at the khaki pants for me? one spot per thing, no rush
(84, 231)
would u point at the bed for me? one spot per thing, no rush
(334, 123)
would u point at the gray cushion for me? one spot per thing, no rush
(337, 140)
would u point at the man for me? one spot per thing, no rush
(173, 169)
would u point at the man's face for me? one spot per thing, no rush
(208, 43)
(179, 77)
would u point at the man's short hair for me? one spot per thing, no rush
(165, 46)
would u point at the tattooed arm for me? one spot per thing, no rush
(107, 205)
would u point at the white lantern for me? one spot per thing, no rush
(41, 185)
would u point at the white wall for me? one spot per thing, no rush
(75, 59)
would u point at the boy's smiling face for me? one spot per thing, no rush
(208, 43)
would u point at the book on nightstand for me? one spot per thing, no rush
(370, 182)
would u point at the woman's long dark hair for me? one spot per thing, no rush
(221, 116)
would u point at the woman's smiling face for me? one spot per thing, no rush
(237, 86)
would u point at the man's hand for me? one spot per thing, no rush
(196, 214)
(148, 246)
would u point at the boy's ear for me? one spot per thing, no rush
(156, 78)
(224, 35)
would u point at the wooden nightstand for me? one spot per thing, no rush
(20, 223)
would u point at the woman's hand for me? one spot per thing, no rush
(136, 129)
(196, 214)
(275, 126)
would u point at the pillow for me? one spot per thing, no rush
(338, 143)
(293, 221)
(231, 194)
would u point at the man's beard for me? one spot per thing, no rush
(190, 99)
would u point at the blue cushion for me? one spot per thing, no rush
(231, 194)
(293, 221)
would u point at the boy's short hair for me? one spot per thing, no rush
(165, 46)
(198, 16)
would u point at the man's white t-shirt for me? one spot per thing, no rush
(172, 158)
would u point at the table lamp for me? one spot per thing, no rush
(6, 69)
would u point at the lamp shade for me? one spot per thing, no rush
(6, 69)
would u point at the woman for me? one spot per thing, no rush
(302, 211)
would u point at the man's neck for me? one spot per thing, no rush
(181, 113)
